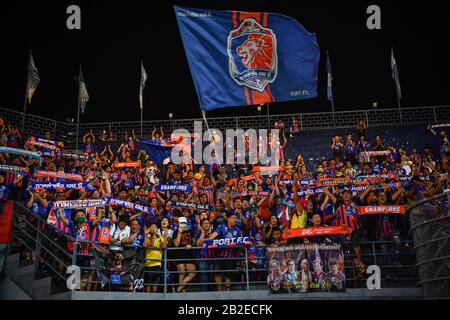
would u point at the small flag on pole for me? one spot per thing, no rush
(395, 74)
(32, 78)
(142, 86)
(329, 79)
(83, 94)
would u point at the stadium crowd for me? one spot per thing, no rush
(225, 200)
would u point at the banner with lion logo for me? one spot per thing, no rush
(241, 58)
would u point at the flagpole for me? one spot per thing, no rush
(209, 131)
(141, 95)
(332, 111)
(26, 92)
(397, 87)
(142, 111)
(78, 110)
(268, 117)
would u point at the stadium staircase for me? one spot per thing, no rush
(28, 279)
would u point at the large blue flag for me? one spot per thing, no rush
(246, 58)
(156, 150)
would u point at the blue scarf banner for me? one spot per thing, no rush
(61, 185)
(17, 170)
(174, 187)
(129, 205)
(21, 152)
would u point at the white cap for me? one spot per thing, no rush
(182, 219)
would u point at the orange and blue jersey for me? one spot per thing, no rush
(56, 223)
(98, 229)
(385, 225)
(347, 214)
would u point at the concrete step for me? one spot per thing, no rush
(12, 266)
(25, 278)
(9, 290)
(41, 289)
(349, 294)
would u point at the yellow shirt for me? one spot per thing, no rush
(298, 221)
(153, 256)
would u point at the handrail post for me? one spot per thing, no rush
(246, 269)
(38, 247)
(374, 253)
(75, 253)
(165, 273)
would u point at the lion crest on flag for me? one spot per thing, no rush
(252, 55)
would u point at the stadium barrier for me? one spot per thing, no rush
(430, 228)
(53, 254)
(65, 131)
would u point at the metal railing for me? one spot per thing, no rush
(52, 253)
(308, 121)
(430, 227)
(34, 238)
(248, 276)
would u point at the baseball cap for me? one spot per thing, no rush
(182, 220)
(303, 203)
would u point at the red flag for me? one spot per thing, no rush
(6, 222)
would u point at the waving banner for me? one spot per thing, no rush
(306, 268)
(135, 164)
(174, 187)
(442, 125)
(117, 176)
(128, 205)
(13, 169)
(43, 143)
(75, 204)
(314, 232)
(66, 155)
(329, 182)
(156, 150)
(245, 178)
(185, 205)
(389, 209)
(369, 154)
(229, 242)
(57, 175)
(267, 170)
(21, 152)
(58, 144)
(302, 182)
(61, 186)
(245, 58)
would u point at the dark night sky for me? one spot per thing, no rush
(116, 36)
